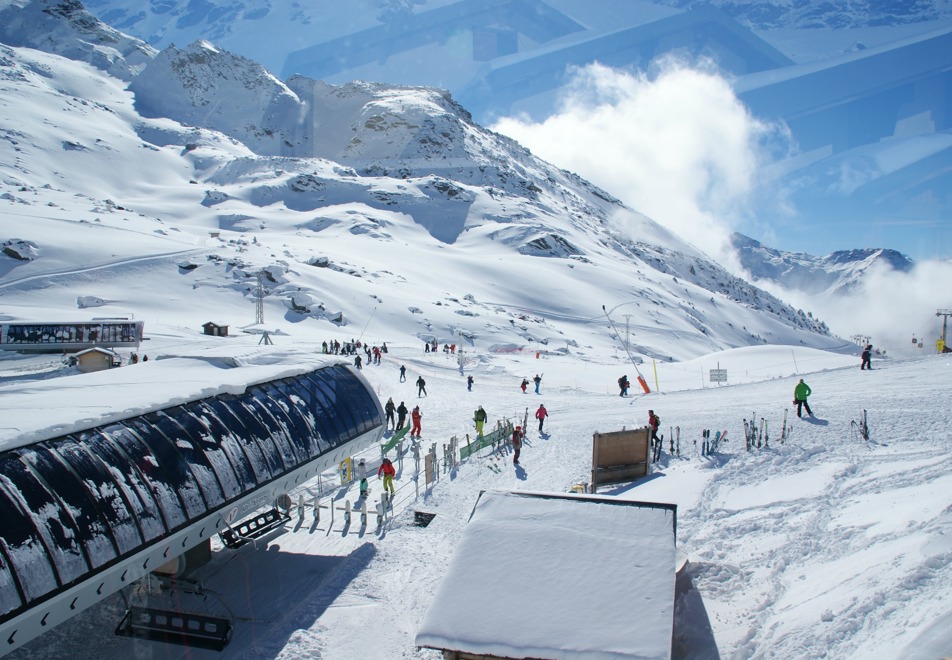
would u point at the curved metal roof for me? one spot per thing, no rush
(78, 505)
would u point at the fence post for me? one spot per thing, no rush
(317, 508)
(415, 448)
(301, 506)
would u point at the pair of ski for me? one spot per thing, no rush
(675, 441)
(709, 446)
(757, 436)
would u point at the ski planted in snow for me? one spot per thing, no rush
(860, 427)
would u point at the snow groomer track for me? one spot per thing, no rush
(165, 454)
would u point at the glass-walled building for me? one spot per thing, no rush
(122, 497)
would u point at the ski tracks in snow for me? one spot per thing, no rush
(821, 514)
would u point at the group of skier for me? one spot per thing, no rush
(416, 417)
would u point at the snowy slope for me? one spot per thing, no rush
(503, 211)
(820, 545)
(824, 546)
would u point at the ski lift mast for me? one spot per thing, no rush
(641, 379)
(944, 313)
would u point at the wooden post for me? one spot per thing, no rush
(347, 512)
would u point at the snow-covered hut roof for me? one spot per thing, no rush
(558, 576)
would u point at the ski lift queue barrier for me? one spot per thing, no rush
(428, 467)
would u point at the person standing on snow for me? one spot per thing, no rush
(403, 374)
(516, 444)
(537, 380)
(421, 387)
(480, 418)
(415, 416)
(524, 385)
(623, 385)
(867, 354)
(469, 383)
(800, 394)
(654, 423)
(389, 409)
(387, 471)
(401, 415)
(540, 415)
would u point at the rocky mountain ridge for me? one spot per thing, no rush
(838, 273)
(414, 160)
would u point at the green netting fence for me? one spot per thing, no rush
(493, 438)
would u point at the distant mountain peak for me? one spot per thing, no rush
(64, 27)
(838, 272)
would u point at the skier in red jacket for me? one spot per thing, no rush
(516, 444)
(540, 415)
(416, 416)
(387, 470)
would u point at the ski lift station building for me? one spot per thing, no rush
(108, 476)
(557, 576)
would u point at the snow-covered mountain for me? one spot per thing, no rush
(293, 177)
(67, 29)
(858, 86)
(837, 273)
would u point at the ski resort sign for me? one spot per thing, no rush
(718, 375)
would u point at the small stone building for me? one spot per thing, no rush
(215, 330)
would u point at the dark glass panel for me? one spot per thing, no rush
(245, 408)
(225, 438)
(92, 530)
(326, 384)
(299, 429)
(171, 464)
(300, 404)
(9, 594)
(278, 422)
(204, 442)
(104, 492)
(187, 447)
(52, 522)
(225, 406)
(332, 427)
(129, 479)
(163, 491)
(29, 559)
(354, 395)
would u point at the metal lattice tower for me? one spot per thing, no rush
(944, 313)
(259, 294)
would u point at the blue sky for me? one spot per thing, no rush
(835, 138)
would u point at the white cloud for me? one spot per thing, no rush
(677, 145)
(890, 307)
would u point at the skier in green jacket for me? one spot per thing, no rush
(800, 394)
(480, 418)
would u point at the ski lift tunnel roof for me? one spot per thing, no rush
(561, 576)
(106, 476)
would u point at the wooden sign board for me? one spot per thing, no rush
(620, 456)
